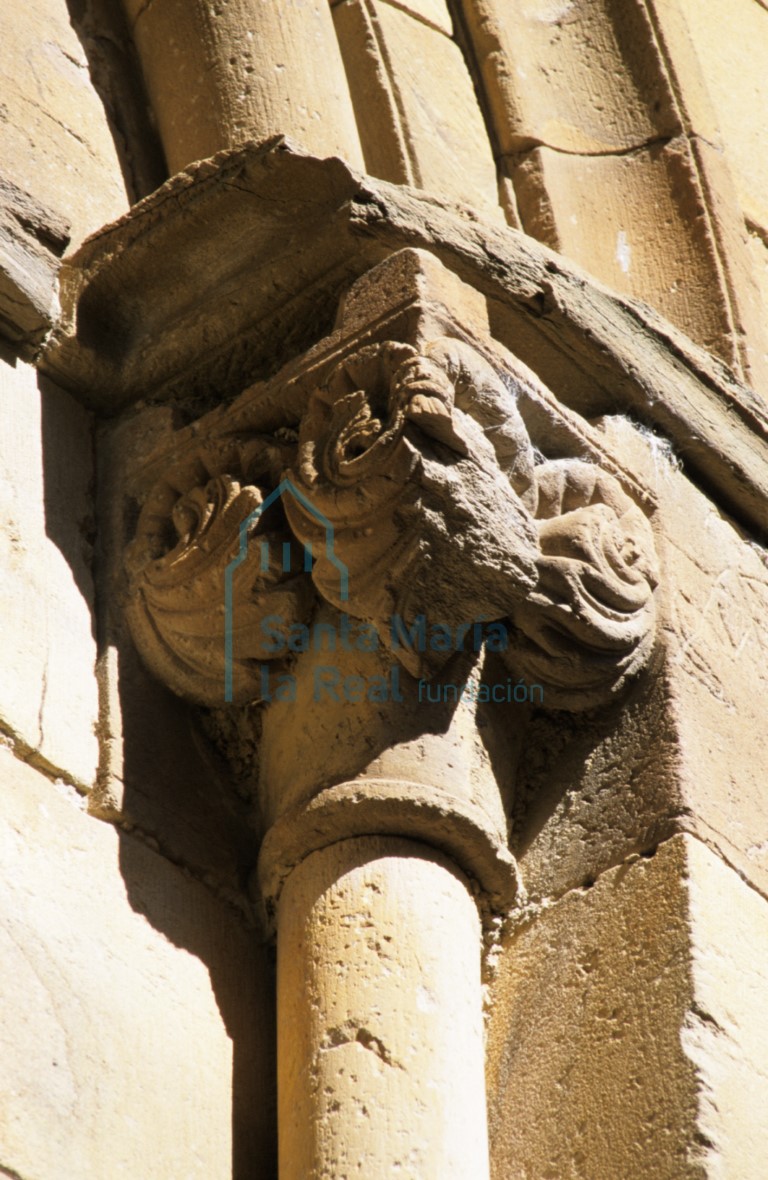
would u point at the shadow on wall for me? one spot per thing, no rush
(187, 848)
(179, 794)
(68, 491)
(242, 981)
(103, 32)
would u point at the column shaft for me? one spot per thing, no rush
(219, 73)
(380, 1050)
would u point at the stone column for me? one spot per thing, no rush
(368, 546)
(380, 1038)
(373, 884)
(220, 74)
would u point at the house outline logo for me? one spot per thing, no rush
(285, 485)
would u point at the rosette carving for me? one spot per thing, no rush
(189, 534)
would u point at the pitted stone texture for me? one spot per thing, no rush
(135, 1029)
(380, 1017)
(48, 692)
(626, 1027)
(219, 74)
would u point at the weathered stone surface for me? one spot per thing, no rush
(586, 1072)
(136, 1028)
(603, 120)
(620, 1017)
(726, 1034)
(714, 612)
(31, 240)
(405, 767)
(719, 660)
(55, 141)
(588, 792)
(715, 154)
(48, 693)
(160, 775)
(576, 80)
(627, 1032)
(757, 243)
(420, 122)
(380, 1017)
(595, 210)
(596, 351)
(414, 458)
(432, 12)
(730, 39)
(158, 771)
(221, 74)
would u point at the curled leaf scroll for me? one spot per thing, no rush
(589, 625)
(190, 532)
(420, 464)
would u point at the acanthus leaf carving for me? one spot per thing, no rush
(589, 625)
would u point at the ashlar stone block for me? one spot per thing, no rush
(135, 1030)
(48, 692)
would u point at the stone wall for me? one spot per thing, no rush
(625, 1028)
(138, 1016)
(135, 1005)
(137, 998)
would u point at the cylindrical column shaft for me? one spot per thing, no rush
(380, 1039)
(219, 72)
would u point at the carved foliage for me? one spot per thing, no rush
(589, 625)
(419, 468)
(189, 534)
(426, 518)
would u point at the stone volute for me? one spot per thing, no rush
(396, 545)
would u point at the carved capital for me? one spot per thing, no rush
(411, 468)
(417, 482)
(423, 465)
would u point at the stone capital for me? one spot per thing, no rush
(410, 497)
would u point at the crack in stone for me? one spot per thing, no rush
(417, 16)
(19, 748)
(43, 698)
(533, 144)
